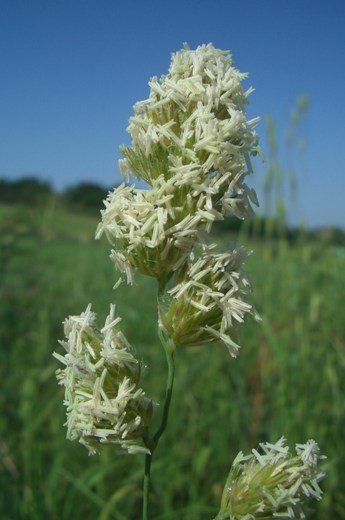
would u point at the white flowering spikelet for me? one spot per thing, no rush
(141, 226)
(270, 483)
(191, 143)
(208, 300)
(193, 128)
(101, 375)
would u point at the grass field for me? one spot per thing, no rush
(288, 380)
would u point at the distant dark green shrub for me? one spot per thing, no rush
(85, 196)
(26, 190)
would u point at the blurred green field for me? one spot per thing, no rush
(288, 380)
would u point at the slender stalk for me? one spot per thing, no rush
(169, 352)
(148, 460)
(153, 443)
(222, 516)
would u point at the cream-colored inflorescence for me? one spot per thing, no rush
(141, 226)
(191, 143)
(207, 301)
(271, 483)
(101, 376)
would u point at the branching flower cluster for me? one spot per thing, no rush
(207, 301)
(271, 483)
(101, 376)
(191, 145)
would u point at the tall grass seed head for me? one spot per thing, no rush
(104, 403)
(191, 143)
(194, 126)
(208, 300)
(271, 483)
(151, 231)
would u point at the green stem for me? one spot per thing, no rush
(153, 443)
(148, 460)
(222, 516)
(169, 352)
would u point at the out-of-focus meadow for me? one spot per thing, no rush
(288, 379)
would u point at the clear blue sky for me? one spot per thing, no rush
(71, 71)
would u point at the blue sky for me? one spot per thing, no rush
(71, 71)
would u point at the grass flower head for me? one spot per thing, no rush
(150, 233)
(208, 301)
(101, 376)
(194, 126)
(191, 143)
(271, 483)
